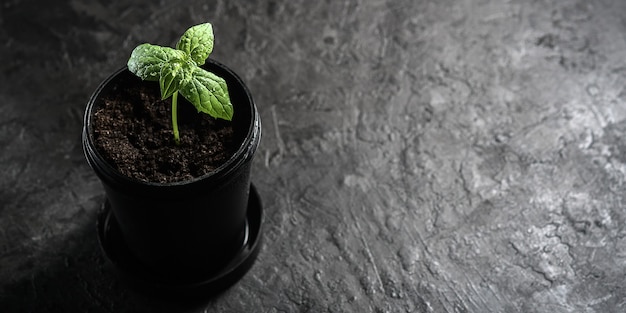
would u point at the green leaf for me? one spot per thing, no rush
(173, 75)
(146, 60)
(177, 71)
(208, 93)
(197, 42)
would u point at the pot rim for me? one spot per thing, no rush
(245, 151)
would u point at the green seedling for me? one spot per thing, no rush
(178, 70)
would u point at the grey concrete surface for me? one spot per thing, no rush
(418, 156)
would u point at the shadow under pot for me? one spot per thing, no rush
(202, 231)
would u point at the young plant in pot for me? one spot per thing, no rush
(180, 211)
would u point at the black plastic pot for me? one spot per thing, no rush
(188, 232)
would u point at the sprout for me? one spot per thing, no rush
(178, 71)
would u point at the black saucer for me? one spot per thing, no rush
(114, 247)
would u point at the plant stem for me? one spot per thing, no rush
(175, 117)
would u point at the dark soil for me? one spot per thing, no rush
(133, 130)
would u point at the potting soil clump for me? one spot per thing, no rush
(133, 130)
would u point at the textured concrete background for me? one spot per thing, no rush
(418, 156)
